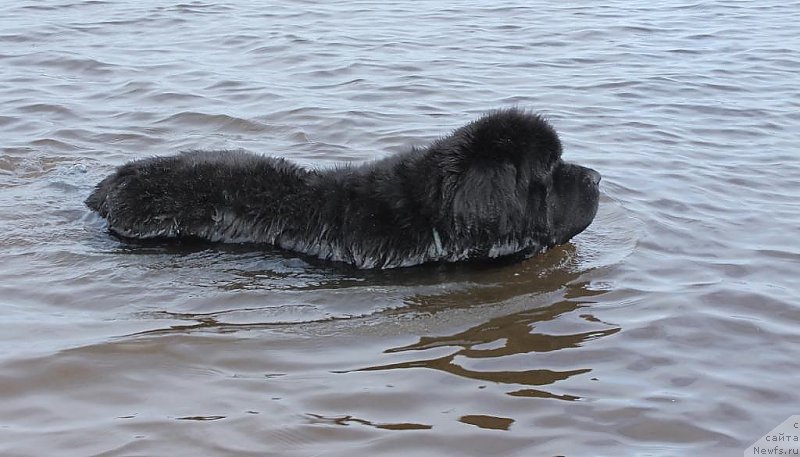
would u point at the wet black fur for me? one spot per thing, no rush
(495, 187)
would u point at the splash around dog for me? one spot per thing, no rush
(492, 188)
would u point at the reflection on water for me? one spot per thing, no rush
(347, 420)
(487, 422)
(506, 336)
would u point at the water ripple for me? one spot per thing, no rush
(656, 332)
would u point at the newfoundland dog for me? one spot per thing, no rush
(493, 188)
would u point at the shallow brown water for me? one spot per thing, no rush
(669, 328)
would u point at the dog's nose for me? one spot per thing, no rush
(593, 176)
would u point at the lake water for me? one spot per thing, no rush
(669, 328)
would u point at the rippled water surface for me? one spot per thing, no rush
(668, 328)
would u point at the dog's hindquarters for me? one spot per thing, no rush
(227, 196)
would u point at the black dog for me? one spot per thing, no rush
(493, 188)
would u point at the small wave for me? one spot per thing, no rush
(71, 63)
(61, 111)
(53, 144)
(218, 122)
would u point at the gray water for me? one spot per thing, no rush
(668, 328)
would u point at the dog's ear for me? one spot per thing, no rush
(485, 201)
(512, 135)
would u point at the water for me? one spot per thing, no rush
(668, 328)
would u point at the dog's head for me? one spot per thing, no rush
(505, 189)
